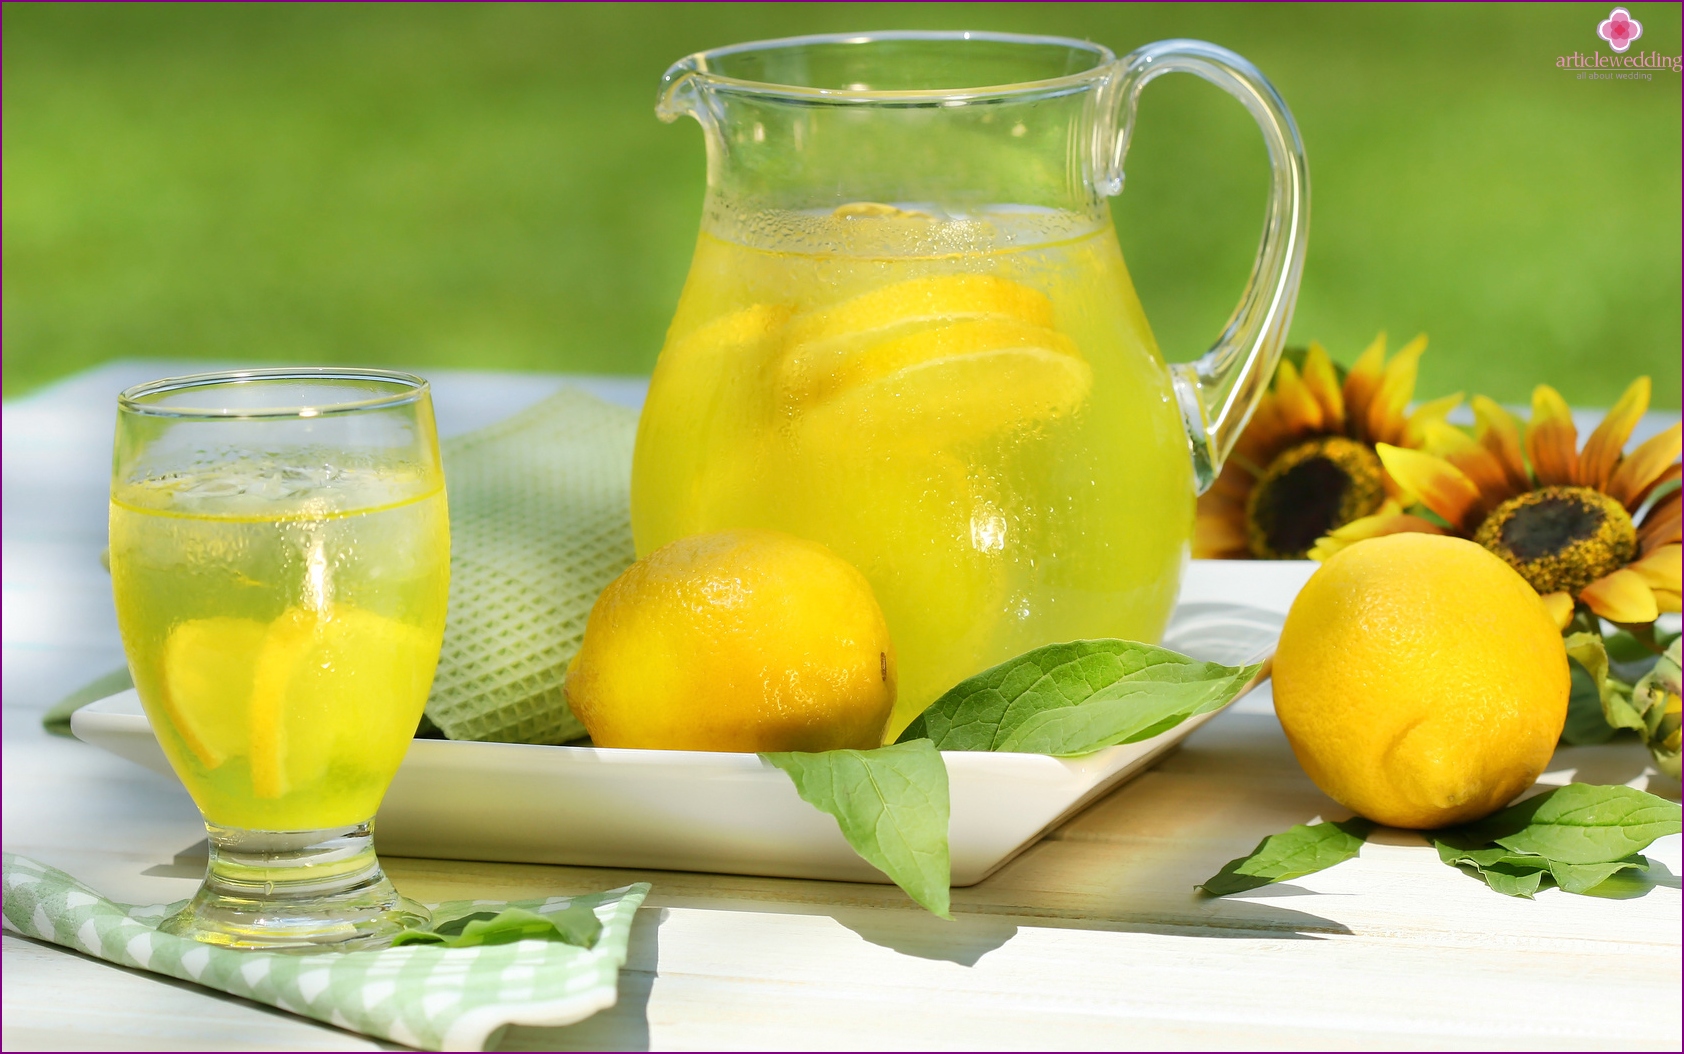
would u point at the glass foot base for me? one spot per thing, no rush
(295, 891)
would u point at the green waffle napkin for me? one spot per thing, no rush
(419, 995)
(540, 522)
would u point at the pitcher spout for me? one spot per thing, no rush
(680, 94)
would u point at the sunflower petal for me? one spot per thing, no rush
(1323, 382)
(1388, 519)
(1552, 442)
(1663, 481)
(1300, 412)
(1560, 607)
(1397, 386)
(1602, 449)
(1432, 481)
(1434, 410)
(1631, 480)
(1663, 525)
(1233, 484)
(1218, 538)
(1477, 463)
(1668, 603)
(1662, 568)
(1361, 384)
(1621, 596)
(1262, 438)
(1498, 431)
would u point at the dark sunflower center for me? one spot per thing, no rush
(1551, 525)
(1560, 538)
(1311, 489)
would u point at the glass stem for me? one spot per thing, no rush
(294, 889)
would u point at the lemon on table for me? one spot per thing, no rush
(1420, 680)
(739, 640)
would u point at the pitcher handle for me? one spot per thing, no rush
(1217, 392)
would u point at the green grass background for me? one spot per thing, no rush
(488, 187)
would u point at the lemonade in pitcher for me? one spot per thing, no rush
(908, 333)
(954, 423)
(282, 625)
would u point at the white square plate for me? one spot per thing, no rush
(699, 811)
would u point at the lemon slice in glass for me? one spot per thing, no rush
(331, 687)
(207, 681)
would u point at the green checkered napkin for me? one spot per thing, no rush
(419, 995)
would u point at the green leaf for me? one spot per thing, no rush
(1655, 699)
(1075, 698)
(892, 806)
(1488, 856)
(575, 924)
(1577, 824)
(1613, 696)
(1508, 872)
(1300, 850)
(1513, 880)
(1629, 658)
(1580, 878)
(1585, 723)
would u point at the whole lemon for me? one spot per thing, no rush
(1420, 680)
(738, 640)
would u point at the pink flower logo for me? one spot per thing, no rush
(1620, 29)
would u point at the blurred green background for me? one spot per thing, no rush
(488, 187)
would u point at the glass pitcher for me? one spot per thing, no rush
(908, 333)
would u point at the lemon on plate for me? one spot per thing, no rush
(1420, 680)
(740, 640)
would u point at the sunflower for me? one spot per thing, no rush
(1305, 464)
(1591, 527)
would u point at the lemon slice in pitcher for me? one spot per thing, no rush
(331, 688)
(207, 681)
(944, 358)
(934, 298)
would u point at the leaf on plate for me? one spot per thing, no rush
(1301, 850)
(892, 806)
(575, 924)
(1075, 698)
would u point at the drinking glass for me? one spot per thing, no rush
(280, 559)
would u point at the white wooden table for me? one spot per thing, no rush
(1092, 939)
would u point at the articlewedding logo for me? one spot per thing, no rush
(1619, 29)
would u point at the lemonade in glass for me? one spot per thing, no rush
(280, 554)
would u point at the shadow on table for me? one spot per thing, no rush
(968, 937)
(964, 940)
(623, 1026)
